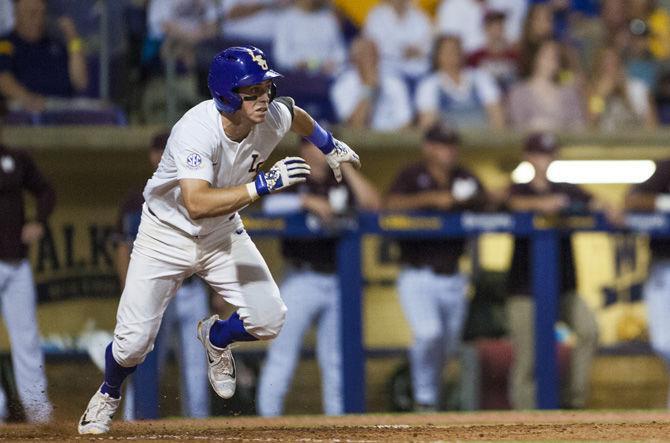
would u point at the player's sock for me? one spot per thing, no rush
(225, 332)
(114, 375)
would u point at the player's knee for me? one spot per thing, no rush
(131, 350)
(662, 348)
(267, 326)
(428, 336)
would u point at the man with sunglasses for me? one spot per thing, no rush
(209, 171)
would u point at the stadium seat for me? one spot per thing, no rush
(109, 116)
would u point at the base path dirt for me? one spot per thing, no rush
(474, 426)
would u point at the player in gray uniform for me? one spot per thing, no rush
(654, 195)
(191, 303)
(18, 298)
(431, 288)
(210, 170)
(547, 198)
(310, 288)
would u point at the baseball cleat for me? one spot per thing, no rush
(98, 415)
(221, 371)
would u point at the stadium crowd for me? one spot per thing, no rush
(538, 67)
(562, 65)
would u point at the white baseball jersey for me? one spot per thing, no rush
(198, 148)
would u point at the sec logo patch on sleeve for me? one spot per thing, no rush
(194, 161)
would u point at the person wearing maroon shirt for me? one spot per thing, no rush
(498, 57)
(654, 195)
(545, 197)
(18, 297)
(310, 288)
(431, 288)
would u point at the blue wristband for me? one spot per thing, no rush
(321, 138)
(261, 185)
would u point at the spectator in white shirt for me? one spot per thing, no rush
(363, 98)
(465, 18)
(465, 98)
(309, 38)
(403, 34)
(6, 16)
(251, 21)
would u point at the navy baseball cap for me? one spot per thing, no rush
(441, 132)
(541, 143)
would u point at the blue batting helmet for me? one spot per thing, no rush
(234, 68)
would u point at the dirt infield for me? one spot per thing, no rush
(478, 426)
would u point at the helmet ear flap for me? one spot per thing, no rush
(228, 102)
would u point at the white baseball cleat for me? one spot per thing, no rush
(98, 415)
(221, 371)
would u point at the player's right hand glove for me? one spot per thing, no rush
(284, 173)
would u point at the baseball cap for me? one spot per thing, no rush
(159, 141)
(541, 143)
(441, 132)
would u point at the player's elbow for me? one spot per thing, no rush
(196, 210)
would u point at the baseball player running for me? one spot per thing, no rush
(210, 170)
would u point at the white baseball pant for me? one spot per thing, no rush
(311, 297)
(435, 307)
(163, 257)
(657, 297)
(191, 303)
(19, 299)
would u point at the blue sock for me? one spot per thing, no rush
(225, 332)
(114, 375)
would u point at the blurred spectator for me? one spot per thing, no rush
(497, 57)
(18, 176)
(180, 25)
(403, 35)
(617, 101)
(640, 63)
(610, 28)
(464, 97)
(190, 306)
(363, 98)
(6, 16)
(614, 16)
(541, 101)
(175, 30)
(251, 21)
(538, 28)
(462, 18)
(649, 14)
(515, 15)
(308, 38)
(34, 66)
(654, 196)
(662, 99)
(548, 198)
(311, 289)
(432, 290)
(465, 18)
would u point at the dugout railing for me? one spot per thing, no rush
(544, 234)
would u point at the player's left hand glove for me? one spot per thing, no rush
(341, 153)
